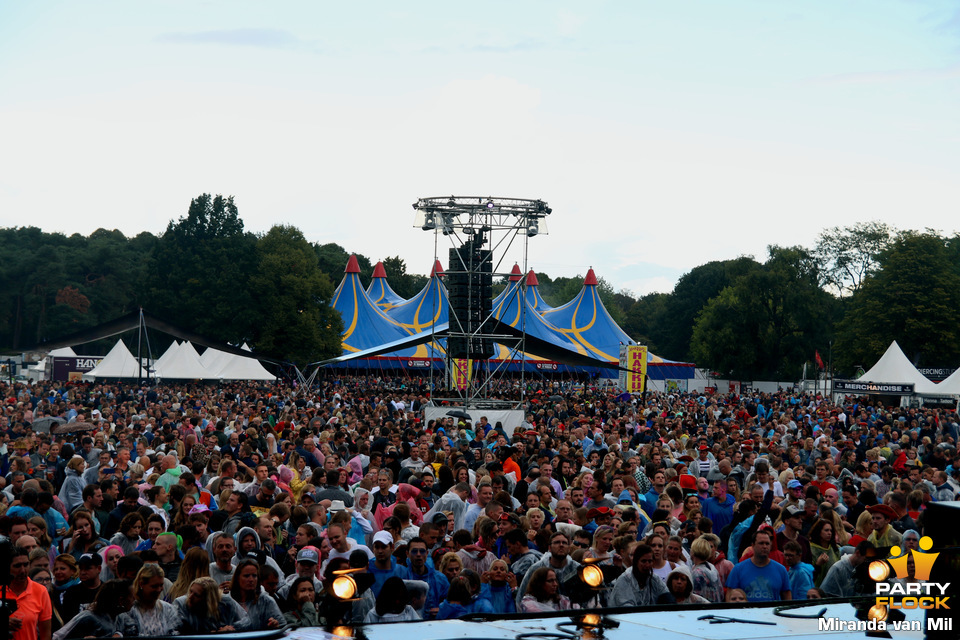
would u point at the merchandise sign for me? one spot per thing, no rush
(873, 388)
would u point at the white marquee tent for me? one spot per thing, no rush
(183, 364)
(239, 368)
(894, 367)
(951, 385)
(119, 363)
(162, 360)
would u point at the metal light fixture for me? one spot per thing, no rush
(429, 221)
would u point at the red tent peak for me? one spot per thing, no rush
(532, 279)
(515, 273)
(379, 271)
(437, 269)
(591, 279)
(352, 265)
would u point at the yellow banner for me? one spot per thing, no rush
(635, 359)
(461, 373)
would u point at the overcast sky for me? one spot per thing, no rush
(662, 134)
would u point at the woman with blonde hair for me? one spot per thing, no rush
(195, 565)
(863, 529)
(149, 616)
(203, 610)
(450, 565)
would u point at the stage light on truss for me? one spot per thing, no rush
(490, 204)
(429, 221)
(533, 228)
(447, 227)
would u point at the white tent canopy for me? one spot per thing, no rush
(119, 363)
(950, 386)
(183, 364)
(894, 367)
(63, 352)
(239, 368)
(162, 360)
(213, 359)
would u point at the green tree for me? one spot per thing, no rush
(769, 321)
(199, 274)
(673, 329)
(849, 255)
(296, 322)
(332, 260)
(645, 316)
(911, 298)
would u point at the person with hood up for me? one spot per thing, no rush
(248, 545)
(71, 493)
(680, 586)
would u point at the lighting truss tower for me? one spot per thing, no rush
(481, 231)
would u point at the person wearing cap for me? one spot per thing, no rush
(505, 524)
(384, 565)
(794, 494)
(308, 560)
(792, 519)
(79, 595)
(704, 464)
(884, 535)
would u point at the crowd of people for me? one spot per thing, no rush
(185, 509)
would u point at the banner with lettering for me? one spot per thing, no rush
(634, 358)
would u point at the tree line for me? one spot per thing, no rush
(859, 288)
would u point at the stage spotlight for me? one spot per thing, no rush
(429, 221)
(592, 575)
(447, 224)
(344, 588)
(879, 570)
(489, 204)
(533, 228)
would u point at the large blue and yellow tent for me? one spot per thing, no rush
(586, 320)
(380, 292)
(429, 308)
